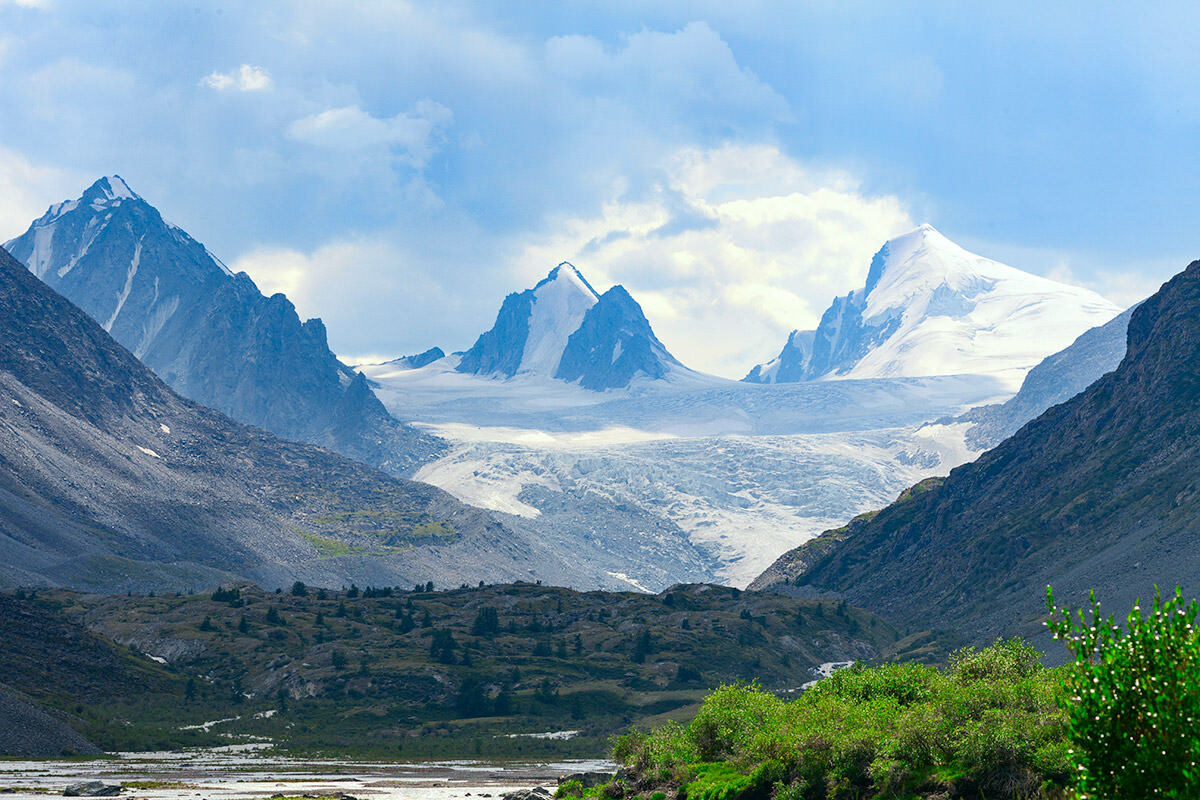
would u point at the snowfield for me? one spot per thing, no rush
(734, 473)
(694, 477)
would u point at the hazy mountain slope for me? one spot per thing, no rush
(208, 333)
(109, 480)
(1098, 492)
(1057, 378)
(929, 307)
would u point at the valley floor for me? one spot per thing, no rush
(252, 773)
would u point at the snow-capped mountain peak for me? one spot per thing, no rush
(562, 328)
(110, 188)
(559, 303)
(930, 307)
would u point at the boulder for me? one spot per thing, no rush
(536, 793)
(92, 789)
(588, 779)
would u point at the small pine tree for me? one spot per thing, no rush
(243, 625)
(426, 620)
(206, 625)
(487, 623)
(299, 589)
(642, 647)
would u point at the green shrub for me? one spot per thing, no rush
(1132, 700)
(989, 725)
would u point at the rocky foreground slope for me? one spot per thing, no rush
(1100, 492)
(111, 481)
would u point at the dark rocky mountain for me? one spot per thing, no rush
(109, 480)
(1056, 379)
(613, 345)
(1100, 492)
(208, 333)
(561, 328)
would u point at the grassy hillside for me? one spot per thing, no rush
(417, 672)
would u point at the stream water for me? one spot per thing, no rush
(251, 772)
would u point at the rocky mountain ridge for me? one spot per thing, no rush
(210, 334)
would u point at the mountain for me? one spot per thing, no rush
(613, 345)
(111, 481)
(208, 333)
(417, 360)
(1057, 378)
(1099, 492)
(929, 307)
(561, 328)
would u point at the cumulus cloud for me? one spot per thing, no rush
(246, 78)
(27, 189)
(692, 70)
(414, 133)
(735, 248)
(368, 278)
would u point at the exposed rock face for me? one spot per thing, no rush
(111, 481)
(208, 333)
(1099, 492)
(613, 345)
(929, 307)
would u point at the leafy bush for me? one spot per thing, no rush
(1133, 700)
(989, 724)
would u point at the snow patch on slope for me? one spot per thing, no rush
(559, 304)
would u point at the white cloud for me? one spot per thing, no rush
(415, 132)
(364, 277)
(692, 71)
(736, 247)
(26, 190)
(246, 78)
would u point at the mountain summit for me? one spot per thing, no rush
(929, 307)
(208, 333)
(561, 328)
(1099, 492)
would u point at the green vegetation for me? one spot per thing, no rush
(987, 725)
(1118, 723)
(1133, 700)
(329, 547)
(389, 672)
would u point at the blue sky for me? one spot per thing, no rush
(397, 168)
